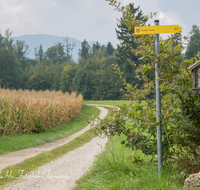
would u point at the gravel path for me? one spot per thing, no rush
(19, 156)
(62, 173)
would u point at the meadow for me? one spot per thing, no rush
(121, 168)
(35, 111)
(107, 102)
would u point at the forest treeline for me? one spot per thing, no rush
(92, 75)
(55, 69)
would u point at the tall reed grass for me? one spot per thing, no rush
(34, 111)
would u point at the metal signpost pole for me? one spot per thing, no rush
(158, 102)
(156, 29)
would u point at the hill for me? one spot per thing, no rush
(47, 41)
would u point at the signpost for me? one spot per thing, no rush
(158, 30)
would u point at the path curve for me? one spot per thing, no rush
(19, 156)
(61, 173)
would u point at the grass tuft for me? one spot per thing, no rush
(114, 169)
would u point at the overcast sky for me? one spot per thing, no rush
(88, 19)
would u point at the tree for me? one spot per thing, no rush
(106, 83)
(110, 49)
(61, 58)
(194, 42)
(39, 53)
(8, 41)
(44, 75)
(67, 80)
(39, 77)
(11, 74)
(21, 49)
(83, 83)
(1, 41)
(69, 49)
(95, 47)
(85, 49)
(177, 39)
(51, 54)
(102, 51)
(57, 53)
(180, 107)
(56, 71)
(124, 52)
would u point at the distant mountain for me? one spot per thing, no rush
(48, 41)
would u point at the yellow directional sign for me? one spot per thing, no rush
(157, 29)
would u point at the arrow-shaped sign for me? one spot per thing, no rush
(157, 29)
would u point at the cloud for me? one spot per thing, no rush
(88, 19)
(181, 12)
(169, 17)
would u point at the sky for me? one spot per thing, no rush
(93, 20)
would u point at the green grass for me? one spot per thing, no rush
(32, 164)
(19, 142)
(113, 169)
(116, 169)
(108, 102)
(109, 112)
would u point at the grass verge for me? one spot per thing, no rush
(115, 169)
(19, 142)
(31, 164)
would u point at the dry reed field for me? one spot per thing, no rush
(33, 112)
